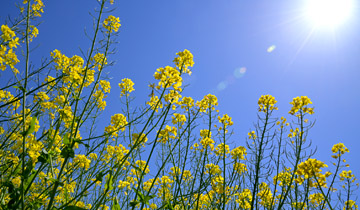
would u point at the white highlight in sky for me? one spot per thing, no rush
(271, 48)
(222, 85)
(329, 12)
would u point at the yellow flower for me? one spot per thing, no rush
(346, 175)
(187, 103)
(37, 7)
(105, 85)
(238, 153)
(100, 60)
(111, 24)
(339, 149)
(244, 199)
(266, 103)
(298, 205)
(168, 77)
(118, 122)
(219, 150)
(93, 156)
(138, 140)
(310, 168)
(240, 167)
(7, 33)
(154, 103)
(252, 135)
(350, 205)
(126, 86)
(300, 104)
(33, 32)
(165, 134)
(208, 102)
(82, 161)
(16, 181)
(284, 177)
(124, 184)
(183, 61)
(226, 121)
(178, 118)
(266, 196)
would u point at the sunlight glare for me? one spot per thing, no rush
(328, 12)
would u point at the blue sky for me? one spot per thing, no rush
(225, 37)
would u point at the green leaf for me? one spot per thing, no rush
(27, 171)
(67, 152)
(20, 88)
(28, 181)
(134, 203)
(73, 208)
(115, 205)
(142, 198)
(32, 124)
(148, 198)
(31, 128)
(137, 168)
(109, 183)
(66, 140)
(80, 142)
(99, 176)
(168, 206)
(44, 157)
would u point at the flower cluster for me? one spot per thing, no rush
(266, 197)
(118, 122)
(168, 76)
(350, 205)
(187, 103)
(82, 161)
(310, 168)
(206, 140)
(267, 103)
(238, 153)
(282, 122)
(138, 140)
(252, 135)
(178, 118)
(66, 115)
(208, 102)
(126, 86)
(244, 199)
(116, 152)
(183, 61)
(284, 177)
(167, 133)
(347, 175)
(99, 60)
(155, 103)
(111, 24)
(300, 104)
(73, 68)
(339, 149)
(8, 56)
(316, 199)
(212, 169)
(221, 148)
(240, 168)
(6, 97)
(36, 8)
(225, 121)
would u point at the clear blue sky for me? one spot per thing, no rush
(226, 36)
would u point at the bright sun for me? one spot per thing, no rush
(328, 12)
